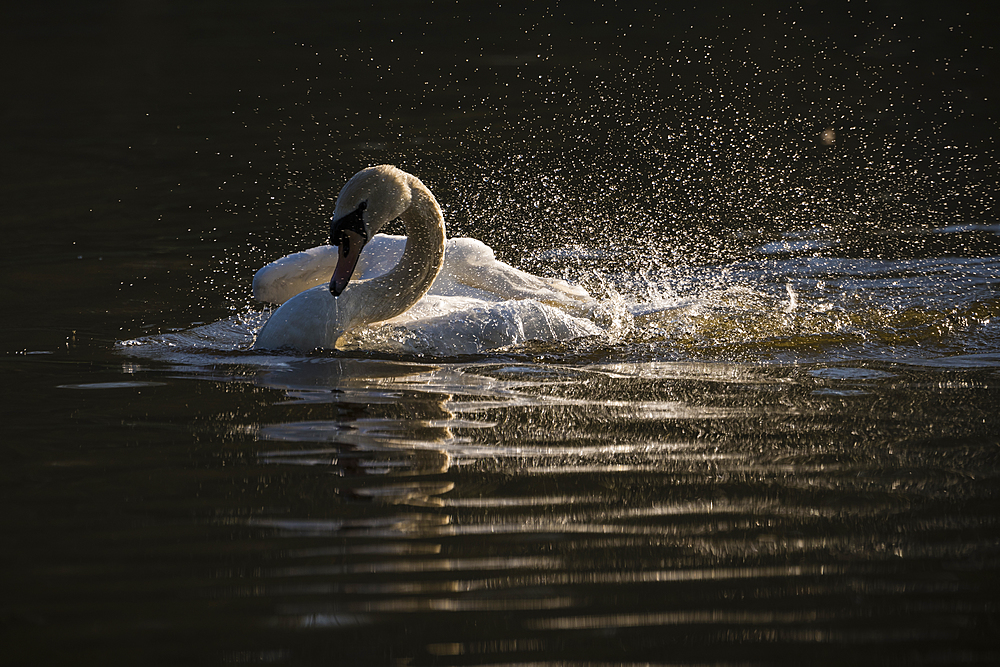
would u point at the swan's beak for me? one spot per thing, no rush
(349, 245)
(350, 235)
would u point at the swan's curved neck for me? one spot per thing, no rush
(387, 296)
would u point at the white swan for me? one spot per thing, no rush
(453, 297)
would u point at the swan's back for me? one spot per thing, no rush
(470, 270)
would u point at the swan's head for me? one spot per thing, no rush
(372, 198)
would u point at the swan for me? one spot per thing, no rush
(450, 296)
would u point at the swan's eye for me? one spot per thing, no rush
(345, 245)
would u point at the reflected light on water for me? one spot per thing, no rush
(746, 523)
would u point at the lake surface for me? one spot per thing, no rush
(783, 449)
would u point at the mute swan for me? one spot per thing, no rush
(453, 297)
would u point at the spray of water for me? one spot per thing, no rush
(711, 197)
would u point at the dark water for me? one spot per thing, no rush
(796, 463)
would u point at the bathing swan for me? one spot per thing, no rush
(450, 297)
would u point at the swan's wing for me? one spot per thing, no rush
(470, 265)
(470, 270)
(433, 306)
(280, 280)
(452, 325)
(381, 254)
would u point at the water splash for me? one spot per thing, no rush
(793, 309)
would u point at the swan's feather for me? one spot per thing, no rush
(460, 325)
(470, 269)
(280, 280)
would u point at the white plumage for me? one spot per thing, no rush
(432, 296)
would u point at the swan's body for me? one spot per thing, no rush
(452, 297)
